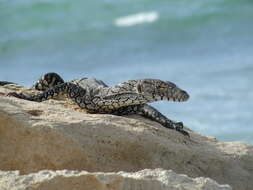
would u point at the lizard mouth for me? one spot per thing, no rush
(184, 96)
(181, 97)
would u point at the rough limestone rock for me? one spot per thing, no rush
(54, 135)
(143, 180)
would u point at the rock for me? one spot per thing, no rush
(65, 180)
(52, 135)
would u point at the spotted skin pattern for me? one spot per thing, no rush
(130, 97)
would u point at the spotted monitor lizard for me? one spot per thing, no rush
(130, 97)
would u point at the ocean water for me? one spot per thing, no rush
(204, 46)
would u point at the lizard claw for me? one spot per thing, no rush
(185, 133)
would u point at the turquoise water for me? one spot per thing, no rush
(204, 46)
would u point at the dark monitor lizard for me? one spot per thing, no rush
(130, 97)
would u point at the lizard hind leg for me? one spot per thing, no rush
(74, 92)
(48, 81)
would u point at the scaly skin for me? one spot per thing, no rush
(129, 97)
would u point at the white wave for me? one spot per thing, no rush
(130, 20)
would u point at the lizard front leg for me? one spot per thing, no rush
(153, 114)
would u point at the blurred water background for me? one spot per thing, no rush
(204, 46)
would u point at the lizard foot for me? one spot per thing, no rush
(179, 127)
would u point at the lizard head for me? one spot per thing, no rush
(161, 90)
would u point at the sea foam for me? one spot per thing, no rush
(139, 18)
